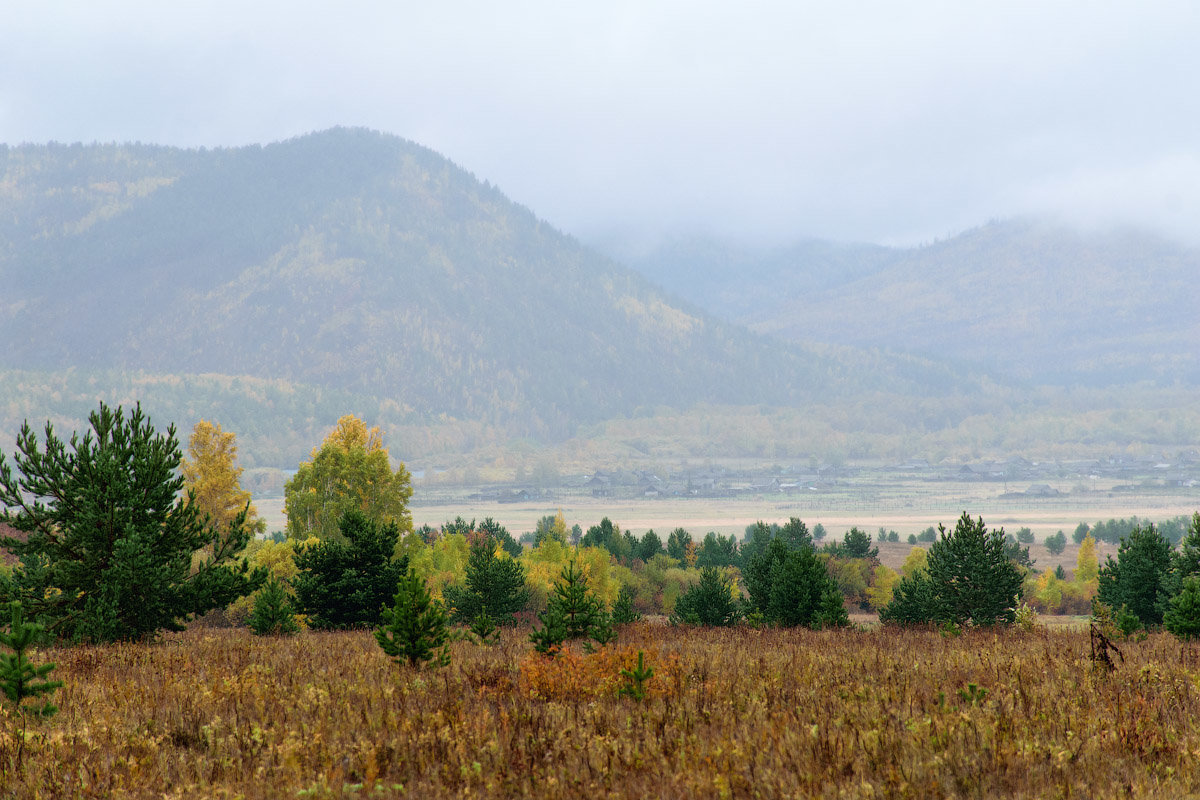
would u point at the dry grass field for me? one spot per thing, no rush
(730, 713)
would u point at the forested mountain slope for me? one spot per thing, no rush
(364, 264)
(1031, 300)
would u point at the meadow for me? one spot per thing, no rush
(729, 713)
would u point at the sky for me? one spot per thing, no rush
(764, 122)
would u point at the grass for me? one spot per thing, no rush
(728, 713)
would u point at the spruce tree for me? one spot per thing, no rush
(414, 628)
(273, 614)
(112, 534)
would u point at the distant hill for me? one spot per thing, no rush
(1032, 301)
(352, 264)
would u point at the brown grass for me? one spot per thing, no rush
(737, 713)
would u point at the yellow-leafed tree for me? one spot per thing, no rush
(1087, 564)
(209, 472)
(350, 471)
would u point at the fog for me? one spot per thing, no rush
(766, 122)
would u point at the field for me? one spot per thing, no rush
(729, 713)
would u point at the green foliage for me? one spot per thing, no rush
(650, 546)
(710, 602)
(1081, 532)
(793, 587)
(20, 680)
(968, 578)
(857, 544)
(345, 582)
(795, 534)
(495, 585)
(483, 629)
(1139, 576)
(273, 614)
(636, 679)
(677, 543)
(1057, 542)
(1182, 617)
(350, 472)
(572, 612)
(623, 611)
(1025, 536)
(415, 626)
(717, 551)
(111, 536)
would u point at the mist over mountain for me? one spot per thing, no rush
(364, 264)
(1030, 300)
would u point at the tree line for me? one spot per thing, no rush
(119, 536)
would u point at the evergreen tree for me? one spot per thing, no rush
(1182, 617)
(112, 535)
(273, 614)
(677, 543)
(792, 587)
(573, 612)
(710, 602)
(345, 582)
(968, 577)
(494, 585)
(1056, 543)
(649, 546)
(623, 611)
(20, 680)
(795, 534)
(857, 544)
(415, 626)
(1139, 579)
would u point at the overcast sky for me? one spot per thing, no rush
(892, 122)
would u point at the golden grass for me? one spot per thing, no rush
(732, 713)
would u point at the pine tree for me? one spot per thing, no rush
(710, 602)
(623, 611)
(346, 582)
(112, 535)
(968, 577)
(1182, 617)
(415, 626)
(494, 585)
(20, 680)
(573, 612)
(273, 614)
(1139, 579)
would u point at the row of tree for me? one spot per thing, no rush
(121, 536)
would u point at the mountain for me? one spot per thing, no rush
(1029, 300)
(352, 264)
